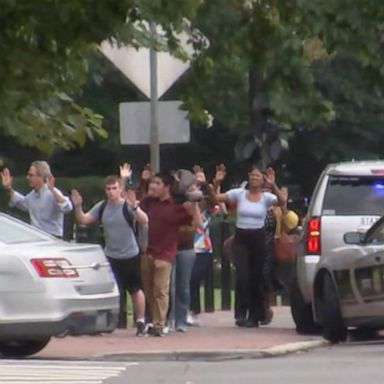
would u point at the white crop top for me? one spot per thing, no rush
(250, 214)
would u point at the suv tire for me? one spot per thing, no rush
(302, 311)
(334, 329)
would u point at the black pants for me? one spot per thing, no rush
(127, 275)
(250, 253)
(201, 269)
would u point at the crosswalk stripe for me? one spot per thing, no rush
(49, 382)
(66, 366)
(57, 372)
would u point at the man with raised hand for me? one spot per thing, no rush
(118, 216)
(45, 204)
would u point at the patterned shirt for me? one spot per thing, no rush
(202, 242)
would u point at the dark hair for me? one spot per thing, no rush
(256, 168)
(166, 178)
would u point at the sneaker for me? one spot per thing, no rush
(140, 329)
(166, 330)
(158, 331)
(149, 329)
(192, 320)
(181, 328)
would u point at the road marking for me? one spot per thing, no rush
(58, 372)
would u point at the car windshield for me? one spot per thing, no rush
(12, 232)
(354, 195)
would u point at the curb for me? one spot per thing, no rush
(212, 355)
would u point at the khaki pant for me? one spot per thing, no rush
(155, 275)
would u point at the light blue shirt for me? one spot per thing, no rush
(250, 214)
(44, 211)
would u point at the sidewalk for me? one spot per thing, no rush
(217, 338)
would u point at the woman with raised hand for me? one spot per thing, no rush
(249, 246)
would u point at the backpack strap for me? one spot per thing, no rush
(101, 210)
(129, 217)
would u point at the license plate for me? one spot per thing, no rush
(101, 320)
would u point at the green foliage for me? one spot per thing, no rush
(45, 47)
(270, 38)
(318, 65)
(359, 104)
(279, 41)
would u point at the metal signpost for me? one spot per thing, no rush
(163, 70)
(155, 143)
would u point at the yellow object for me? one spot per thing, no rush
(285, 221)
(290, 220)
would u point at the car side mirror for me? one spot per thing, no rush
(353, 238)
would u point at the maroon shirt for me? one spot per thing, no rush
(165, 218)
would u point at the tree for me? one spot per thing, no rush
(356, 131)
(45, 46)
(267, 48)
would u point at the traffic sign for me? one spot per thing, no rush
(134, 64)
(135, 123)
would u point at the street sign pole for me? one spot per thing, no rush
(154, 132)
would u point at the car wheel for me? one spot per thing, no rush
(334, 329)
(302, 311)
(20, 348)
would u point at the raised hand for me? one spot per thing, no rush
(6, 178)
(130, 197)
(220, 174)
(196, 169)
(126, 171)
(76, 198)
(270, 176)
(50, 180)
(200, 175)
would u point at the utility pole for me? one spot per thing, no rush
(154, 133)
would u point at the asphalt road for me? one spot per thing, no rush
(350, 363)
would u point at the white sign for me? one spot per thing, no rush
(135, 123)
(134, 64)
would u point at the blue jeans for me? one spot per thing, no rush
(180, 296)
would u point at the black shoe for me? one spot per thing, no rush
(150, 329)
(140, 329)
(251, 324)
(241, 322)
(267, 317)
